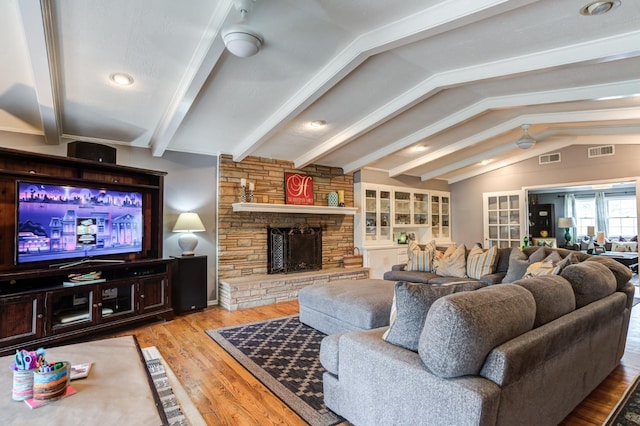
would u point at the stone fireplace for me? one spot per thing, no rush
(293, 249)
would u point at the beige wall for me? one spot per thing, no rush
(575, 167)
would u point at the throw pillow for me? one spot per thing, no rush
(624, 246)
(538, 255)
(481, 262)
(553, 264)
(538, 269)
(453, 262)
(421, 260)
(518, 265)
(411, 303)
(571, 259)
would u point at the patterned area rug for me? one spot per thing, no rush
(178, 408)
(284, 355)
(627, 412)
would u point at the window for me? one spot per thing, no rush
(586, 214)
(622, 216)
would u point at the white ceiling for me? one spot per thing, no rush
(456, 77)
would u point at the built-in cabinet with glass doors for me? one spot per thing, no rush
(386, 212)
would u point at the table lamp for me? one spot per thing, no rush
(567, 223)
(188, 223)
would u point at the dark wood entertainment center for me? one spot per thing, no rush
(36, 308)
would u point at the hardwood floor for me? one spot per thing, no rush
(226, 394)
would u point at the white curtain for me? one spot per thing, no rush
(601, 213)
(570, 211)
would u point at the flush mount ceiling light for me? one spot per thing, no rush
(240, 39)
(526, 141)
(121, 79)
(316, 124)
(599, 7)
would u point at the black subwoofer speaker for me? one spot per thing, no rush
(189, 283)
(92, 151)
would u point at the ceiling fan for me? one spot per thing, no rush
(240, 39)
(526, 141)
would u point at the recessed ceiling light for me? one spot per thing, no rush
(121, 79)
(599, 7)
(318, 123)
(419, 148)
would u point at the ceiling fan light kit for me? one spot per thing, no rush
(526, 141)
(240, 39)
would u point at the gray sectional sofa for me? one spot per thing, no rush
(509, 354)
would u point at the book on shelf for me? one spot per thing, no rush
(77, 283)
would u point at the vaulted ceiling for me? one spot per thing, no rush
(417, 87)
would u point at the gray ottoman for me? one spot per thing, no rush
(346, 305)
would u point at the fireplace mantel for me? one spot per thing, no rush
(292, 208)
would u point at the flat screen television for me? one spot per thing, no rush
(58, 223)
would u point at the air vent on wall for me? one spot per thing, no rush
(549, 158)
(601, 151)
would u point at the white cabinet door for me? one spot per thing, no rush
(380, 260)
(441, 216)
(372, 225)
(503, 214)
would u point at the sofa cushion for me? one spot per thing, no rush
(462, 328)
(591, 281)
(621, 272)
(329, 352)
(421, 259)
(481, 262)
(518, 264)
(411, 304)
(553, 295)
(453, 262)
(411, 276)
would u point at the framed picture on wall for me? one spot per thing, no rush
(298, 189)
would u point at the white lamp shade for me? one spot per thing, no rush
(566, 222)
(188, 223)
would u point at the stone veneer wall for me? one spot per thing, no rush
(258, 290)
(242, 236)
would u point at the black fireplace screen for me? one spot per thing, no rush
(294, 249)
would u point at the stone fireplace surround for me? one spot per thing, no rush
(242, 239)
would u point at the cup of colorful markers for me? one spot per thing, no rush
(50, 381)
(24, 366)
